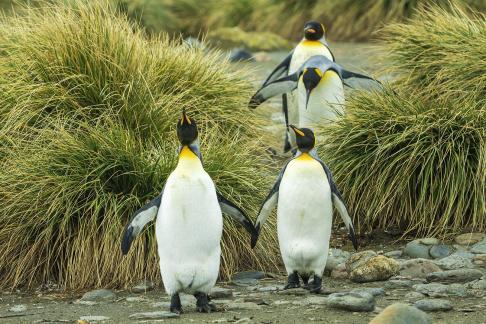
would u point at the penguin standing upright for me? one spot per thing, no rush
(189, 224)
(313, 43)
(305, 193)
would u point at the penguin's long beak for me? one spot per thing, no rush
(297, 131)
(185, 119)
(311, 79)
(307, 96)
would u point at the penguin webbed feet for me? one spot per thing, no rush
(202, 303)
(315, 285)
(175, 304)
(292, 281)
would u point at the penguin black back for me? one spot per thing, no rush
(186, 129)
(313, 30)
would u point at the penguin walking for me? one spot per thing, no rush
(305, 194)
(313, 43)
(189, 224)
(319, 83)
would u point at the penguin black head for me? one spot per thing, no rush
(311, 78)
(186, 129)
(313, 30)
(305, 138)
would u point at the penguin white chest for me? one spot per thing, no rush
(304, 216)
(189, 228)
(326, 101)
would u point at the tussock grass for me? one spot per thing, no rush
(88, 108)
(415, 157)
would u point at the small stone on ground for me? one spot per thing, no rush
(356, 302)
(153, 315)
(401, 314)
(433, 305)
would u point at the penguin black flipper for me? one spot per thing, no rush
(141, 217)
(268, 205)
(237, 214)
(285, 110)
(280, 86)
(338, 202)
(345, 74)
(280, 70)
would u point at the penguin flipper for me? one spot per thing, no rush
(280, 70)
(237, 214)
(142, 216)
(280, 86)
(345, 74)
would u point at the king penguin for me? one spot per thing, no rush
(313, 43)
(305, 194)
(189, 224)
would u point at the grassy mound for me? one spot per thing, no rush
(413, 157)
(88, 108)
(228, 38)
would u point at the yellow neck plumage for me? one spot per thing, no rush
(188, 160)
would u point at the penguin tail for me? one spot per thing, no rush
(254, 238)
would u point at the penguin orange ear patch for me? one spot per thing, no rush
(323, 28)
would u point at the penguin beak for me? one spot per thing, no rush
(311, 30)
(185, 118)
(297, 131)
(307, 96)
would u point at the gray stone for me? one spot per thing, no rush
(356, 302)
(244, 320)
(248, 275)
(85, 302)
(164, 305)
(480, 260)
(477, 284)
(413, 296)
(417, 268)
(267, 288)
(219, 293)
(18, 308)
(428, 241)
(433, 305)
(441, 290)
(377, 268)
(153, 315)
(370, 290)
(295, 292)
(394, 254)
(398, 283)
(311, 300)
(93, 318)
(99, 294)
(239, 54)
(242, 306)
(339, 272)
(452, 276)
(401, 314)
(336, 257)
(144, 286)
(479, 248)
(358, 259)
(458, 260)
(469, 238)
(135, 299)
(440, 251)
(415, 249)
(245, 282)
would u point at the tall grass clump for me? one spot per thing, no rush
(412, 156)
(88, 107)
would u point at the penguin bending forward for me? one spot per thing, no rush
(313, 43)
(189, 224)
(305, 193)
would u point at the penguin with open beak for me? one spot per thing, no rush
(305, 194)
(189, 224)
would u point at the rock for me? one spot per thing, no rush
(394, 254)
(440, 290)
(440, 251)
(99, 294)
(153, 315)
(417, 268)
(267, 288)
(358, 259)
(248, 275)
(477, 284)
(479, 248)
(413, 296)
(244, 320)
(415, 249)
(163, 304)
(433, 305)
(85, 302)
(377, 268)
(335, 258)
(135, 299)
(219, 293)
(480, 260)
(242, 305)
(458, 260)
(375, 292)
(398, 283)
(245, 282)
(240, 54)
(90, 318)
(311, 300)
(452, 276)
(143, 287)
(469, 238)
(295, 292)
(262, 57)
(428, 241)
(339, 272)
(18, 308)
(356, 302)
(401, 314)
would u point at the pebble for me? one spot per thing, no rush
(219, 293)
(455, 276)
(335, 258)
(94, 318)
(376, 292)
(248, 275)
(479, 248)
(394, 254)
(245, 282)
(356, 302)
(477, 284)
(17, 308)
(153, 315)
(401, 314)
(441, 290)
(262, 57)
(311, 300)
(398, 283)
(480, 260)
(244, 320)
(433, 305)
(143, 287)
(135, 299)
(377, 268)
(358, 259)
(99, 294)
(413, 295)
(164, 305)
(85, 302)
(457, 260)
(239, 54)
(440, 251)
(418, 268)
(267, 288)
(469, 238)
(428, 241)
(339, 272)
(242, 305)
(295, 292)
(416, 249)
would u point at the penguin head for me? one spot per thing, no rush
(305, 138)
(313, 31)
(186, 129)
(311, 78)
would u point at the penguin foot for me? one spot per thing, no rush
(175, 304)
(292, 281)
(315, 286)
(202, 303)
(305, 280)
